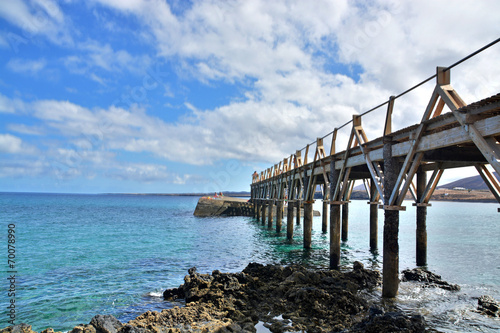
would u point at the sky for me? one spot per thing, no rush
(154, 96)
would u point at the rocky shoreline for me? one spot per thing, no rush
(282, 299)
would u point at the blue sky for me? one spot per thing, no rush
(193, 96)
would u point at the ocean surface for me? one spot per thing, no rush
(81, 255)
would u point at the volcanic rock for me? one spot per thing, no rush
(429, 279)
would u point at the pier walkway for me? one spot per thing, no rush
(451, 134)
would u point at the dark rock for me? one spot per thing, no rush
(106, 324)
(380, 322)
(429, 279)
(489, 306)
(132, 329)
(174, 294)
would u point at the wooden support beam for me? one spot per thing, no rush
(388, 116)
(490, 180)
(334, 139)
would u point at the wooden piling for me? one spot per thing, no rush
(345, 221)
(421, 220)
(270, 214)
(334, 221)
(297, 215)
(324, 224)
(257, 209)
(373, 217)
(308, 221)
(390, 280)
(279, 215)
(264, 208)
(289, 220)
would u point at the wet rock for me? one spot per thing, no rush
(83, 329)
(379, 321)
(49, 330)
(20, 328)
(429, 279)
(487, 305)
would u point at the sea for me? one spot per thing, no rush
(79, 255)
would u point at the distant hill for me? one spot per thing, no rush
(470, 183)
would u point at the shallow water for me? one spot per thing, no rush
(81, 255)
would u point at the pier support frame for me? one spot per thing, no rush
(421, 221)
(279, 215)
(308, 221)
(390, 280)
(289, 220)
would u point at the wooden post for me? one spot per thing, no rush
(308, 221)
(345, 221)
(289, 220)
(257, 209)
(297, 216)
(390, 281)
(264, 208)
(324, 225)
(421, 220)
(334, 220)
(270, 213)
(373, 217)
(279, 215)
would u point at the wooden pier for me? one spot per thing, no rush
(451, 134)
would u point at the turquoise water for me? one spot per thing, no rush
(81, 255)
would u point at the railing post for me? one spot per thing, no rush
(388, 117)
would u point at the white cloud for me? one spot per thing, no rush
(94, 56)
(25, 129)
(8, 105)
(26, 66)
(11, 144)
(39, 17)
